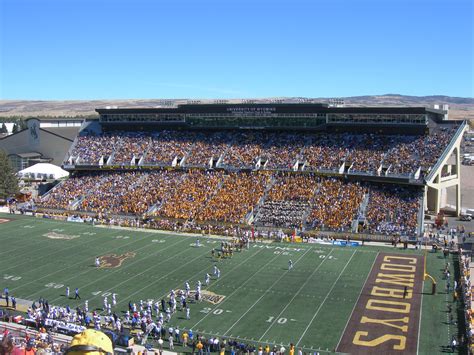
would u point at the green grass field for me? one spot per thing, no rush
(264, 301)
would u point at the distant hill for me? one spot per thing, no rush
(460, 107)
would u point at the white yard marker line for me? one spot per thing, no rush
(296, 294)
(162, 277)
(235, 290)
(73, 265)
(268, 290)
(112, 272)
(192, 278)
(357, 301)
(421, 312)
(325, 298)
(35, 251)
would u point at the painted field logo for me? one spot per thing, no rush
(54, 235)
(109, 261)
(208, 296)
(4, 220)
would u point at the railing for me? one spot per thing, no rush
(421, 216)
(447, 151)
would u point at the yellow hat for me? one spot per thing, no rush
(90, 342)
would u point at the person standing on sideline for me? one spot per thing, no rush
(77, 294)
(454, 343)
(13, 302)
(5, 292)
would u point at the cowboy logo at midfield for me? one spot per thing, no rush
(109, 261)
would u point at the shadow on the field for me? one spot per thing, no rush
(446, 349)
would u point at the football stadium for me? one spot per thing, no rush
(248, 227)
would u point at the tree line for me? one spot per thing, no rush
(8, 178)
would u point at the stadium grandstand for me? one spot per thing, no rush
(306, 166)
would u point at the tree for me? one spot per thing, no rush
(4, 128)
(8, 179)
(22, 125)
(15, 128)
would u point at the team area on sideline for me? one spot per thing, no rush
(314, 297)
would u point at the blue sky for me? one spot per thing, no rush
(112, 49)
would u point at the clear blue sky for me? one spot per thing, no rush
(105, 49)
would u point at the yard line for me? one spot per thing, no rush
(237, 289)
(32, 245)
(268, 290)
(12, 229)
(154, 282)
(71, 265)
(421, 312)
(35, 251)
(296, 294)
(325, 298)
(357, 301)
(108, 274)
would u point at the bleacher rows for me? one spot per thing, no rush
(382, 155)
(261, 198)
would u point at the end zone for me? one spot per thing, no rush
(386, 317)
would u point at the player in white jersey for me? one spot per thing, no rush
(114, 299)
(97, 262)
(207, 279)
(86, 305)
(187, 313)
(290, 264)
(105, 303)
(215, 270)
(67, 291)
(218, 273)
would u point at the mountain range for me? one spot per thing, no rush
(459, 107)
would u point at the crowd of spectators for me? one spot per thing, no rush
(71, 190)
(200, 196)
(287, 201)
(392, 210)
(325, 152)
(191, 194)
(239, 193)
(90, 149)
(131, 145)
(276, 150)
(335, 204)
(206, 146)
(168, 145)
(244, 150)
(413, 152)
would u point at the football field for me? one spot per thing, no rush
(257, 299)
